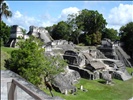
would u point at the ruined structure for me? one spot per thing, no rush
(40, 32)
(83, 61)
(114, 51)
(108, 49)
(15, 34)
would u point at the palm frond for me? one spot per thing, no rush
(4, 10)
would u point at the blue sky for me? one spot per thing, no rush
(47, 13)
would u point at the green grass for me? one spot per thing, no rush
(5, 54)
(130, 70)
(7, 49)
(97, 90)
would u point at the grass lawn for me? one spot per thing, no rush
(97, 90)
(7, 49)
(5, 54)
(130, 70)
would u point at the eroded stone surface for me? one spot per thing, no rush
(63, 82)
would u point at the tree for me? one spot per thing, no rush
(110, 33)
(90, 23)
(24, 32)
(61, 31)
(75, 36)
(74, 29)
(126, 34)
(30, 62)
(50, 29)
(4, 10)
(87, 24)
(95, 38)
(4, 33)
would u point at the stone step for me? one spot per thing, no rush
(124, 75)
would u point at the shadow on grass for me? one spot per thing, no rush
(102, 82)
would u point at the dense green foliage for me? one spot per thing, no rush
(4, 33)
(110, 33)
(61, 31)
(91, 21)
(30, 62)
(126, 33)
(50, 30)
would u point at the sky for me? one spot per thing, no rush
(47, 13)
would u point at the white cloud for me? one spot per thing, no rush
(21, 20)
(17, 14)
(26, 21)
(42, 20)
(65, 12)
(47, 23)
(120, 15)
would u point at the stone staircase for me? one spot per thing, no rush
(122, 56)
(124, 75)
(6, 78)
(100, 55)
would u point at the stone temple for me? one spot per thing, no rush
(105, 61)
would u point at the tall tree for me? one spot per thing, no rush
(110, 33)
(61, 31)
(74, 28)
(126, 34)
(4, 10)
(90, 23)
(50, 29)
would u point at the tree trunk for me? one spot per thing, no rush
(51, 93)
(77, 40)
(48, 85)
